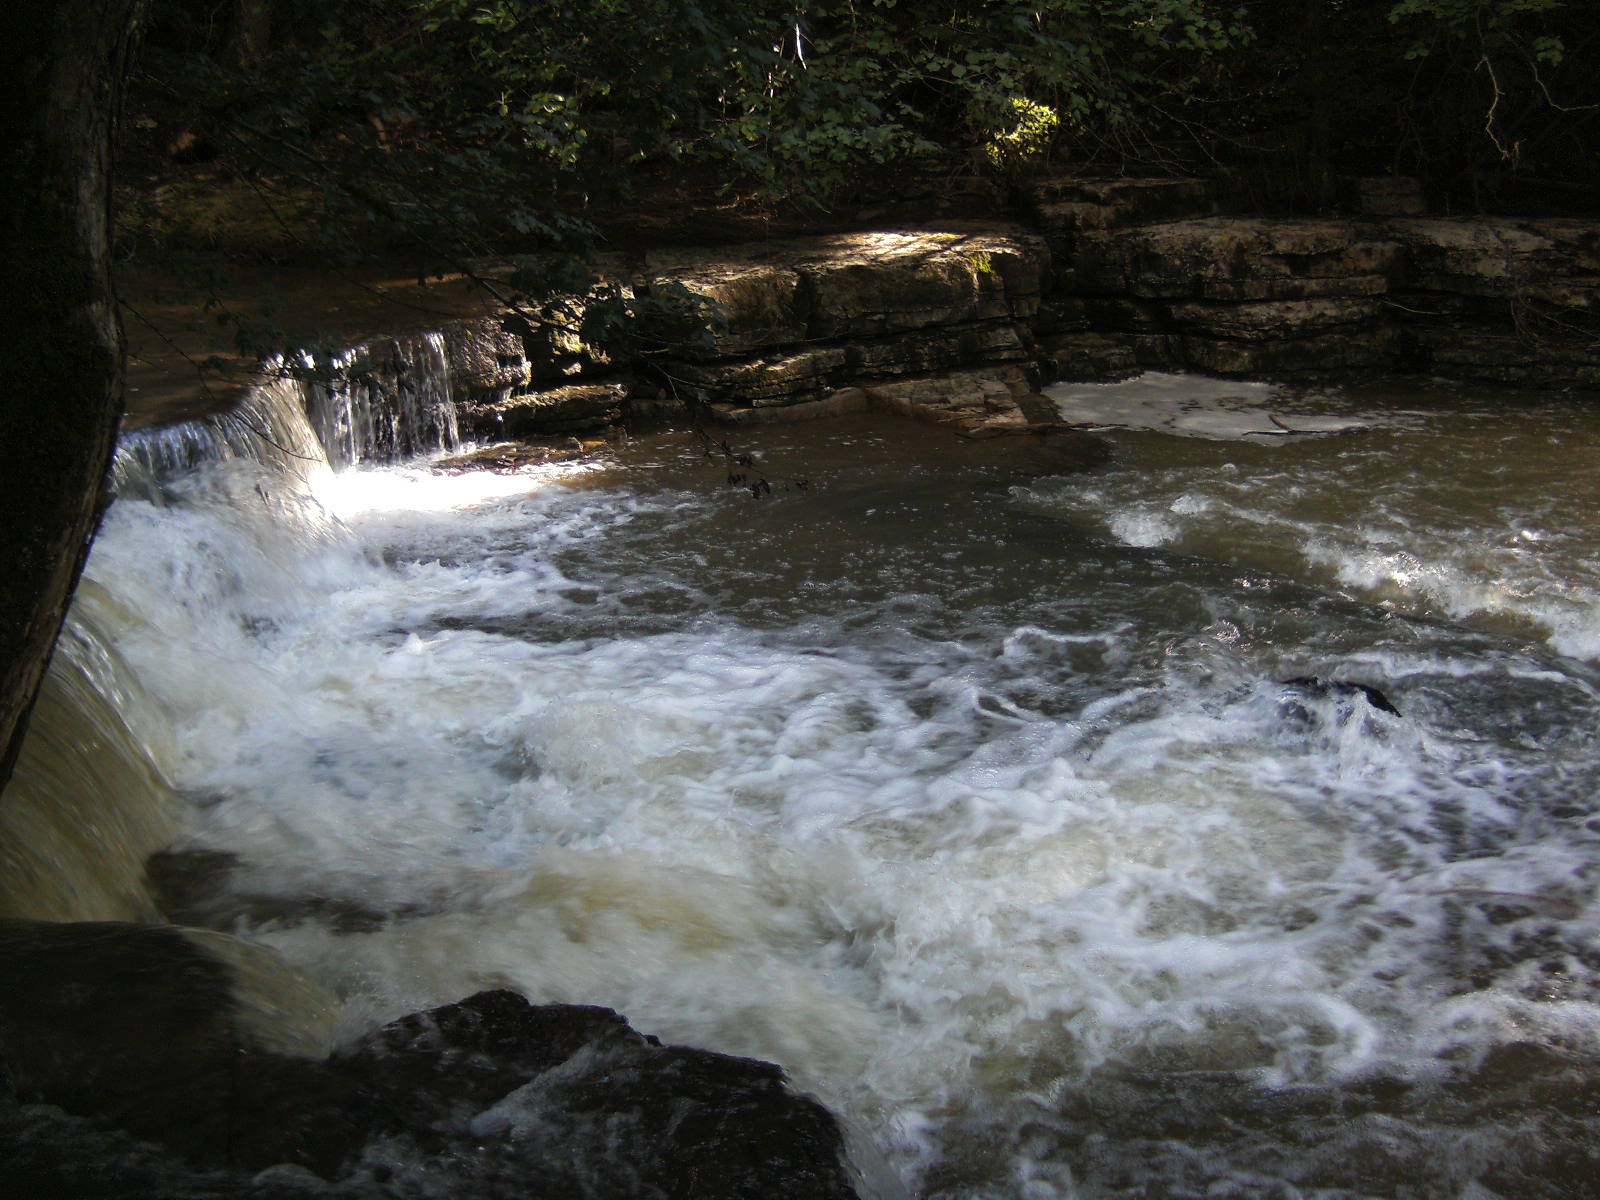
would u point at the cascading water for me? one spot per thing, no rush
(1037, 822)
(384, 402)
(89, 802)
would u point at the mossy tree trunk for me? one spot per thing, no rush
(61, 362)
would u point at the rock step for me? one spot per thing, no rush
(1117, 276)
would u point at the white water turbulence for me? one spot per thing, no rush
(1433, 504)
(1062, 863)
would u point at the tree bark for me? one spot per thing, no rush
(61, 356)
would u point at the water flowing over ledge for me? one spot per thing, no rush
(1237, 789)
(1101, 279)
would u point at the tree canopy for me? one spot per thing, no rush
(473, 126)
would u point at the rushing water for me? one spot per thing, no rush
(1023, 816)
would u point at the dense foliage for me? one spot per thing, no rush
(1491, 103)
(470, 126)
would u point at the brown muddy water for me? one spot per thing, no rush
(1218, 822)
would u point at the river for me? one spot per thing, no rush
(1218, 822)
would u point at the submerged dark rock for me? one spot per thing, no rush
(1339, 689)
(138, 1027)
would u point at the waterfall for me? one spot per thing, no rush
(384, 401)
(268, 426)
(1014, 810)
(377, 403)
(92, 799)
(89, 802)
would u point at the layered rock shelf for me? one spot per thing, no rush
(1500, 301)
(813, 325)
(962, 324)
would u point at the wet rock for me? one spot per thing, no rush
(1302, 688)
(507, 458)
(577, 408)
(835, 404)
(814, 373)
(598, 1108)
(213, 890)
(140, 1030)
(48, 1155)
(973, 403)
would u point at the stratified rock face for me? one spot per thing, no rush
(136, 1029)
(485, 359)
(1114, 277)
(757, 305)
(810, 373)
(1124, 275)
(1069, 206)
(1233, 259)
(860, 285)
(793, 323)
(1511, 301)
(575, 408)
(803, 319)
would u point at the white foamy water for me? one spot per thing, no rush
(1455, 509)
(1010, 840)
(1198, 406)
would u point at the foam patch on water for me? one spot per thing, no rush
(394, 492)
(1500, 537)
(1193, 406)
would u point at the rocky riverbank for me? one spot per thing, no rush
(960, 322)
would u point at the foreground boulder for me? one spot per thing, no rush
(584, 1105)
(129, 1068)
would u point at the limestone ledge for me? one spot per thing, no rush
(1485, 299)
(1115, 276)
(794, 322)
(1123, 275)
